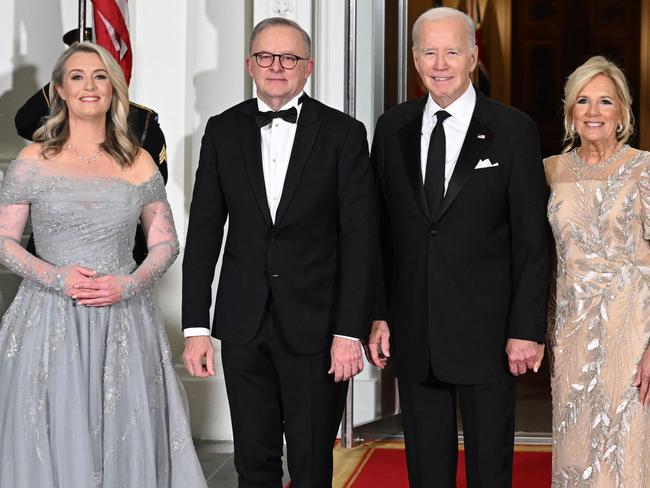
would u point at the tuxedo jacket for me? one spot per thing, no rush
(458, 284)
(314, 261)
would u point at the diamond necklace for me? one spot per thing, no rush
(601, 164)
(81, 157)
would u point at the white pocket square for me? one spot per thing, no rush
(485, 163)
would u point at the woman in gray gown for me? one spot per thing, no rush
(89, 396)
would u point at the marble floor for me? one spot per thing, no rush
(217, 462)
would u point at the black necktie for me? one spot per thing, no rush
(434, 179)
(265, 118)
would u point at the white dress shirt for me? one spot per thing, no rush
(456, 126)
(277, 142)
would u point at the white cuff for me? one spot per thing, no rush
(195, 331)
(344, 337)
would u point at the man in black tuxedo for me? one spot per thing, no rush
(464, 243)
(293, 178)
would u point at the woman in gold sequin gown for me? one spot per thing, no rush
(599, 210)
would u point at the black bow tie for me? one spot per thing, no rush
(265, 118)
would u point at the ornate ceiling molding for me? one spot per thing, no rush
(283, 8)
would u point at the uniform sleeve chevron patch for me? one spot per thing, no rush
(162, 157)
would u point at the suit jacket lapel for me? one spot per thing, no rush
(306, 132)
(476, 142)
(410, 140)
(251, 145)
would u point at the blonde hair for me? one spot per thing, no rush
(583, 74)
(120, 143)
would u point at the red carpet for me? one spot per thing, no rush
(383, 464)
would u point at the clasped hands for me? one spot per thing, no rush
(82, 286)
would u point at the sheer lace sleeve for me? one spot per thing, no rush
(644, 190)
(162, 243)
(18, 185)
(15, 197)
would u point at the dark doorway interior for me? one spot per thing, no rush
(550, 38)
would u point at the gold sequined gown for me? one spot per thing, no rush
(600, 216)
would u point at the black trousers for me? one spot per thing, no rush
(273, 390)
(430, 432)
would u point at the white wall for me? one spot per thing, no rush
(30, 42)
(190, 65)
(30, 32)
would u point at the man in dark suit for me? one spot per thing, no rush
(464, 243)
(293, 178)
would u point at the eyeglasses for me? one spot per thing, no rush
(287, 61)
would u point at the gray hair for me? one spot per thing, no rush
(282, 22)
(445, 13)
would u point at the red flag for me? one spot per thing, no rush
(110, 20)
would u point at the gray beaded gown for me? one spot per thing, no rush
(88, 395)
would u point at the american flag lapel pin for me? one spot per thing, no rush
(480, 136)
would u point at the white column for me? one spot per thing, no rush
(189, 65)
(329, 42)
